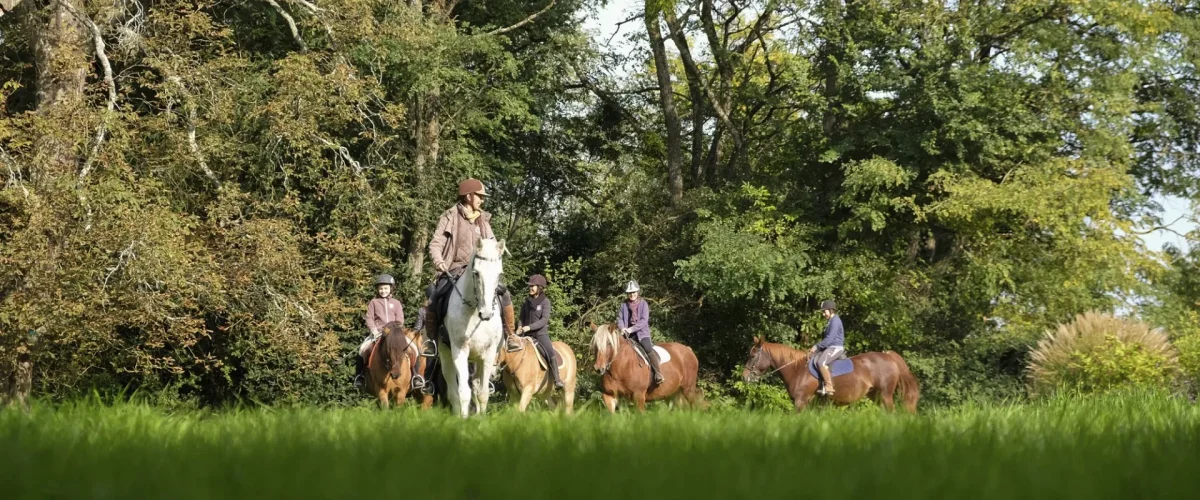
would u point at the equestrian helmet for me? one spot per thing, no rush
(385, 279)
(471, 186)
(537, 280)
(828, 305)
(632, 286)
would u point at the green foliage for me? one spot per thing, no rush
(1098, 352)
(1116, 365)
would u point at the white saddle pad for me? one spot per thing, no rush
(663, 355)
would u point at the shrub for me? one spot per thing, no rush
(1098, 352)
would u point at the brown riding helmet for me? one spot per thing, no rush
(537, 280)
(471, 186)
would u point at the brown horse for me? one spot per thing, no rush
(390, 362)
(875, 373)
(525, 378)
(625, 374)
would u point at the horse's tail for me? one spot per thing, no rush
(908, 383)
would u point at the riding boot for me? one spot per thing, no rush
(553, 364)
(827, 380)
(510, 321)
(359, 366)
(430, 366)
(654, 366)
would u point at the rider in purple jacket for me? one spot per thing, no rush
(633, 319)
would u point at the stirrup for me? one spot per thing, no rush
(418, 382)
(429, 348)
(359, 381)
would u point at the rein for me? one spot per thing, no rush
(772, 372)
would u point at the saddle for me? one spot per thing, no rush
(663, 355)
(541, 356)
(836, 368)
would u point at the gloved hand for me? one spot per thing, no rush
(628, 330)
(441, 267)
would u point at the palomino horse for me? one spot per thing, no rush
(625, 374)
(474, 327)
(390, 365)
(875, 373)
(524, 376)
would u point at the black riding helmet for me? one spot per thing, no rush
(537, 280)
(385, 279)
(828, 305)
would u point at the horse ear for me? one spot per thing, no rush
(592, 326)
(758, 340)
(503, 248)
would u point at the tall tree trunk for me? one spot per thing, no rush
(832, 55)
(60, 58)
(667, 99)
(695, 84)
(428, 139)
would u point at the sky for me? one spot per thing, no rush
(1177, 212)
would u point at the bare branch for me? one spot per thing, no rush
(523, 22)
(98, 39)
(14, 172)
(189, 104)
(291, 24)
(345, 153)
(630, 19)
(309, 5)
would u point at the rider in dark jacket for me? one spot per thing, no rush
(535, 320)
(832, 346)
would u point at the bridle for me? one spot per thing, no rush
(752, 367)
(474, 300)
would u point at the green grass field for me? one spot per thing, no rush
(1113, 447)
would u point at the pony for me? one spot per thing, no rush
(390, 365)
(624, 373)
(474, 328)
(524, 376)
(877, 374)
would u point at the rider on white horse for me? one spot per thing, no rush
(381, 310)
(633, 319)
(458, 232)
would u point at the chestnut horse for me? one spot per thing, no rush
(625, 374)
(875, 373)
(525, 378)
(390, 362)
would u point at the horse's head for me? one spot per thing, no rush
(606, 340)
(395, 347)
(759, 361)
(486, 266)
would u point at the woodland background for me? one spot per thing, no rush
(197, 193)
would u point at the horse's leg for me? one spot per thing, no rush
(383, 398)
(526, 397)
(457, 382)
(610, 402)
(569, 398)
(639, 400)
(485, 372)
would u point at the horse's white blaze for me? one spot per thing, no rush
(474, 326)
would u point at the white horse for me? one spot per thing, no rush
(474, 325)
